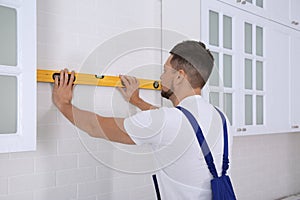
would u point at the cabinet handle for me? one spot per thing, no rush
(238, 129)
(244, 129)
(295, 23)
(241, 1)
(295, 126)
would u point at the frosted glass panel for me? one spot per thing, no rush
(214, 98)
(259, 75)
(227, 72)
(248, 38)
(227, 32)
(260, 3)
(8, 104)
(248, 74)
(213, 28)
(259, 41)
(8, 36)
(214, 76)
(228, 106)
(259, 110)
(248, 110)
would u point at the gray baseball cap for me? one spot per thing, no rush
(196, 54)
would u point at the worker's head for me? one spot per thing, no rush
(190, 59)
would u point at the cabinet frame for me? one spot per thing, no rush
(24, 139)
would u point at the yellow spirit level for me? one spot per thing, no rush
(48, 76)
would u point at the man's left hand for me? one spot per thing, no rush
(63, 88)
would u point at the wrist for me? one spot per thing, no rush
(63, 106)
(135, 101)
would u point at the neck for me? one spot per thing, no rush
(176, 99)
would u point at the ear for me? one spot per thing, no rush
(181, 76)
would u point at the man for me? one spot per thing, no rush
(185, 73)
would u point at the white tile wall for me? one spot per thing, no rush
(53, 163)
(30, 182)
(266, 166)
(66, 164)
(20, 196)
(59, 192)
(74, 176)
(3, 186)
(15, 167)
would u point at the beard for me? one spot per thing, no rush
(167, 94)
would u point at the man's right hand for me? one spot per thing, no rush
(131, 93)
(131, 89)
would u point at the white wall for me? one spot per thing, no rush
(69, 165)
(91, 36)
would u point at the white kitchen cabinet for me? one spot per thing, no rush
(256, 7)
(279, 11)
(218, 33)
(285, 12)
(250, 80)
(277, 78)
(295, 81)
(17, 75)
(295, 14)
(252, 5)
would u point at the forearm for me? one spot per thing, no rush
(84, 120)
(108, 128)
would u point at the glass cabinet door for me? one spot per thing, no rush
(17, 75)
(8, 59)
(237, 42)
(220, 83)
(253, 74)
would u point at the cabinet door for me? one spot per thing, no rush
(279, 10)
(295, 81)
(17, 75)
(236, 85)
(282, 11)
(253, 90)
(285, 12)
(295, 14)
(217, 32)
(277, 80)
(252, 64)
(256, 7)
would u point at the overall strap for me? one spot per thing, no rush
(203, 144)
(225, 165)
(156, 187)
